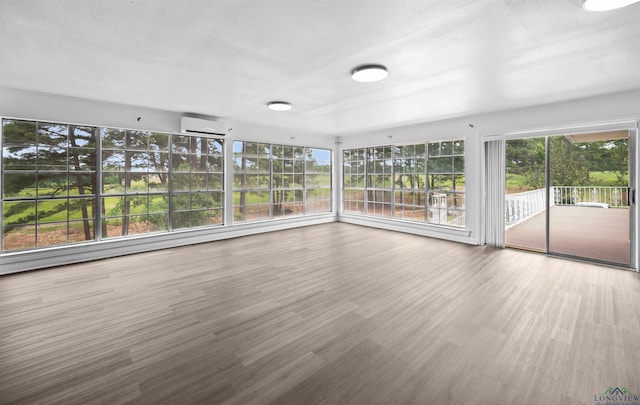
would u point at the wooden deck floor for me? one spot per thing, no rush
(586, 232)
(327, 314)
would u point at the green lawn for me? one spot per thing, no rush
(606, 178)
(263, 197)
(516, 183)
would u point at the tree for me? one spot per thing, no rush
(570, 162)
(567, 163)
(409, 167)
(80, 138)
(619, 151)
(252, 173)
(190, 186)
(288, 180)
(526, 157)
(379, 171)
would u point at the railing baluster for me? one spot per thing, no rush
(521, 206)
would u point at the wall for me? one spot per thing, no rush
(476, 129)
(434, 131)
(46, 107)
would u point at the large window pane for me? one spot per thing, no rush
(80, 231)
(53, 146)
(45, 168)
(354, 183)
(19, 145)
(51, 172)
(272, 181)
(112, 138)
(21, 184)
(417, 182)
(445, 176)
(198, 167)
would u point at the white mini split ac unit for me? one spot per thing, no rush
(201, 126)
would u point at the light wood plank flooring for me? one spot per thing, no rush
(329, 314)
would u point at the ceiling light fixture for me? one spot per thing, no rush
(606, 5)
(279, 106)
(369, 73)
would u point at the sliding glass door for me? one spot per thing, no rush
(570, 195)
(589, 216)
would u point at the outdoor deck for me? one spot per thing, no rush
(588, 232)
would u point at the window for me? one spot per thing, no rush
(251, 181)
(410, 182)
(287, 180)
(273, 181)
(48, 184)
(59, 181)
(197, 180)
(354, 180)
(446, 183)
(379, 175)
(135, 182)
(421, 182)
(317, 180)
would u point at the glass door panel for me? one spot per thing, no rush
(589, 215)
(525, 208)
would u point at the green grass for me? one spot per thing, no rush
(516, 183)
(56, 217)
(606, 178)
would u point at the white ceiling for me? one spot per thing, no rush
(228, 58)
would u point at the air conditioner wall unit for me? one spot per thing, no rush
(201, 126)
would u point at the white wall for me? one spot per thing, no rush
(46, 107)
(617, 107)
(440, 130)
(29, 105)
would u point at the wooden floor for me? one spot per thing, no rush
(585, 232)
(329, 314)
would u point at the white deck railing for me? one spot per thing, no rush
(586, 195)
(522, 206)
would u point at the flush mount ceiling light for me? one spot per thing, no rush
(606, 5)
(369, 73)
(279, 106)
